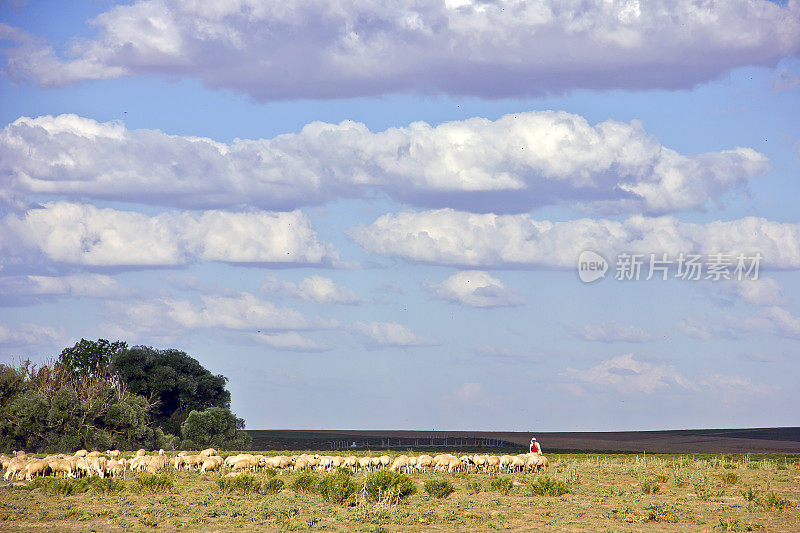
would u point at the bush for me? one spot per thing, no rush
(502, 485)
(337, 488)
(660, 512)
(243, 484)
(730, 478)
(439, 488)
(650, 488)
(272, 486)
(547, 486)
(771, 500)
(387, 484)
(305, 483)
(662, 478)
(474, 488)
(56, 485)
(153, 483)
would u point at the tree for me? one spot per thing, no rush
(172, 381)
(89, 357)
(215, 427)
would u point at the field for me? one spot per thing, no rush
(579, 492)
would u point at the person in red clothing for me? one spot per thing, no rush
(535, 448)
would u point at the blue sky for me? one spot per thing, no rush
(353, 232)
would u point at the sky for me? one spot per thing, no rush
(373, 216)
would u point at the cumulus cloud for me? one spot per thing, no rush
(290, 341)
(475, 288)
(761, 292)
(387, 334)
(91, 285)
(321, 49)
(691, 327)
(518, 161)
(771, 320)
(80, 234)
(627, 374)
(315, 289)
(612, 331)
(450, 237)
(22, 335)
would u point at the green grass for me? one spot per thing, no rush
(548, 486)
(439, 488)
(153, 483)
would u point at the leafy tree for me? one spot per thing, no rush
(215, 426)
(88, 357)
(174, 382)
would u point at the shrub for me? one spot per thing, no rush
(439, 488)
(771, 500)
(55, 485)
(244, 484)
(662, 478)
(153, 483)
(305, 483)
(730, 478)
(503, 485)
(650, 488)
(660, 512)
(730, 524)
(106, 485)
(272, 486)
(337, 488)
(387, 484)
(750, 494)
(547, 486)
(474, 488)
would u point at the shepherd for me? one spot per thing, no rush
(535, 448)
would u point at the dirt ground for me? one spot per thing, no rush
(607, 493)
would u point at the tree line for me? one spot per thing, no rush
(102, 394)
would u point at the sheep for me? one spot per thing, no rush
(62, 468)
(97, 465)
(376, 462)
(4, 461)
(178, 461)
(400, 464)
(94, 453)
(194, 461)
(81, 467)
(211, 464)
(156, 463)
(81, 453)
(424, 462)
(480, 462)
(385, 461)
(141, 452)
(351, 462)
(365, 463)
(208, 452)
(37, 467)
(492, 463)
(15, 467)
(113, 454)
(115, 467)
(300, 465)
(505, 461)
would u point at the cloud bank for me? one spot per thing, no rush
(450, 237)
(321, 49)
(518, 161)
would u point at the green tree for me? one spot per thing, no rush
(89, 357)
(217, 427)
(172, 381)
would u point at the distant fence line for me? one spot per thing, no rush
(417, 442)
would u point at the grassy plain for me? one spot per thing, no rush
(606, 493)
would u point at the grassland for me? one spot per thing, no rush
(605, 493)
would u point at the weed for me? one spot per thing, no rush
(662, 478)
(730, 478)
(272, 486)
(771, 500)
(152, 483)
(305, 483)
(502, 485)
(474, 488)
(244, 484)
(385, 483)
(730, 524)
(650, 488)
(547, 486)
(337, 488)
(661, 512)
(439, 488)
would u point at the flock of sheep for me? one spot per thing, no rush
(84, 463)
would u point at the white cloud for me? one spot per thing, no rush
(240, 312)
(761, 292)
(472, 394)
(771, 320)
(278, 50)
(315, 289)
(91, 285)
(693, 328)
(290, 341)
(386, 334)
(81, 234)
(450, 237)
(626, 374)
(475, 288)
(629, 375)
(612, 331)
(28, 335)
(518, 161)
